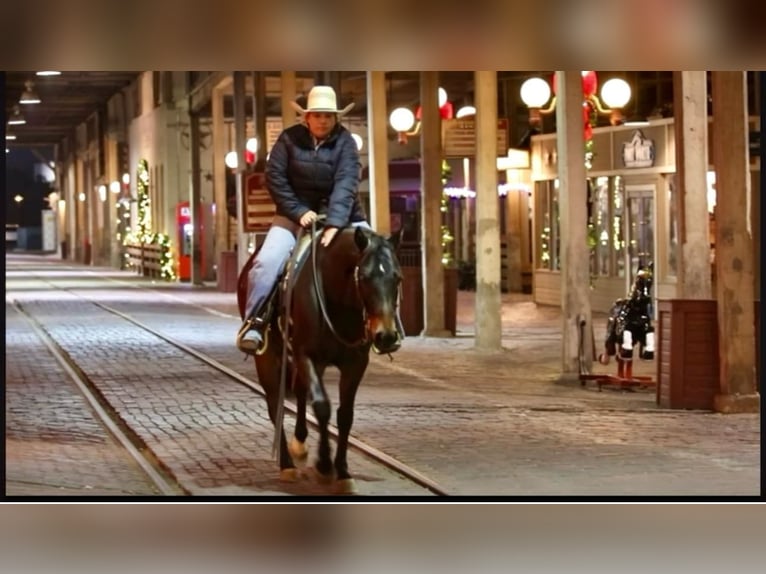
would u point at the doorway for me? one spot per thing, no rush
(639, 229)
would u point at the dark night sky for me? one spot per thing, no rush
(20, 179)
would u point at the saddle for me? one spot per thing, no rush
(277, 298)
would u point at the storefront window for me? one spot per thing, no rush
(672, 210)
(547, 233)
(618, 232)
(600, 228)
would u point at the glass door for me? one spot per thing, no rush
(639, 230)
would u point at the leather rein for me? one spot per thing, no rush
(321, 299)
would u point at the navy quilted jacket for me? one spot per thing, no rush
(325, 179)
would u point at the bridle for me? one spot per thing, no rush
(365, 338)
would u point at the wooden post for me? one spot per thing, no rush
(431, 192)
(288, 113)
(733, 246)
(488, 304)
(219, 172)
(690, 127)
(239, 146)
(380, 209)
(195, 200)
(573, 197)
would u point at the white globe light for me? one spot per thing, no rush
(126, 178)
(615, 93)
(442, 97)
(252, 145)
(401, 119)
(466, 111)
(535, 92)
(114, 187)
(231, 160)
(358, 140)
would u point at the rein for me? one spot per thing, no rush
(320, 297)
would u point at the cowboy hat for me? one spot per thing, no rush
(322, 99)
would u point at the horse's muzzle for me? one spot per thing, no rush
(386, 342)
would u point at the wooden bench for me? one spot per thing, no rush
(146, 259)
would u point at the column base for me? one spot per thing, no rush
(733, 404)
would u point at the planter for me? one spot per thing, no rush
(688, 354)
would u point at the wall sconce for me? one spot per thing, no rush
(16, 118)
(403, 120)
(615, 94)
(29, 96)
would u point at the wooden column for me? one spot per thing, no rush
(380, 209)
(239, 146)
(219, 174)
(431, 191)
(289, 114)
(690, 89)
(195, 200)
(733, 246)
(514, 233)
(488, 304)
(573, 202)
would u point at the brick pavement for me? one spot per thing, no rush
(477, 423)
(54, 443)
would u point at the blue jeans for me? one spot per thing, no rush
(271, 258)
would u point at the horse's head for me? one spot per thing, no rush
(378, 279)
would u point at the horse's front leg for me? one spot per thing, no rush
(350, 377)
(311, 375)
(297, 444)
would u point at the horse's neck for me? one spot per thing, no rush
(338, 286)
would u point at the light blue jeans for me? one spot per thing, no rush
(271, 258)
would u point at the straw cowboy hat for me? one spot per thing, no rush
(322, 99)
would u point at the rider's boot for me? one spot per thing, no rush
(251, 334)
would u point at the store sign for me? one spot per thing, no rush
(638, 151)
(259, 207)
(459, 137)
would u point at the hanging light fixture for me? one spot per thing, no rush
(16, 118)
(403, 120)
(28, 96)
(615, 94)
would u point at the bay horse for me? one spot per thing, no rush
(630, 321)
(343, 302)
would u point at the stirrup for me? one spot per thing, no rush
(254, 324)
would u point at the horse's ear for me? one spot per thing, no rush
(396, 238)
(360, 238)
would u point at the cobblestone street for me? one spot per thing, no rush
(475, 423)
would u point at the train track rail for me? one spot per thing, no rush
(132, 442)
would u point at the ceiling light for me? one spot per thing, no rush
(28, 96)
(10, 137)
(49, 73)
(16, 118)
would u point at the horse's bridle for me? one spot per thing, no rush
(366, 338)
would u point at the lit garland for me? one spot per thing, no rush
(143, 234)
(446, 235)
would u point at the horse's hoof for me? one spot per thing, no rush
(323, 478)
(288, 475)
(297, 449)
(345, 486)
